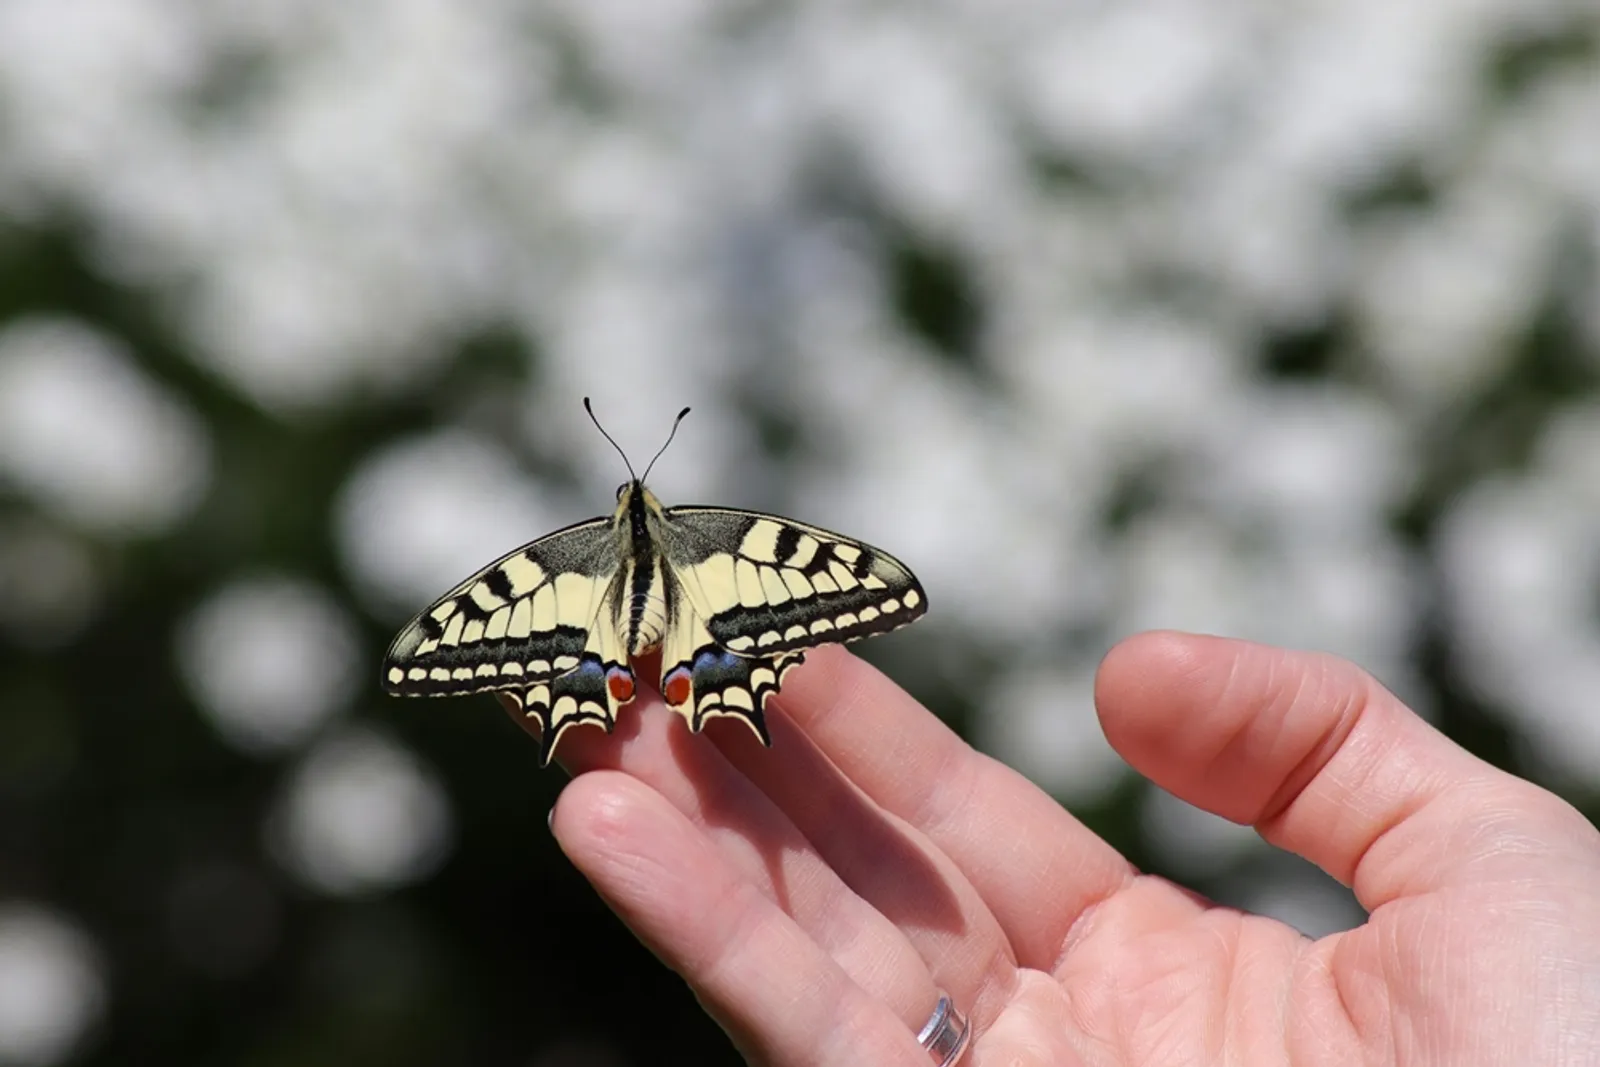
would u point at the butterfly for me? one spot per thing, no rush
(731, 598)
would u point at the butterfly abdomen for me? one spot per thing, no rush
(647, 607)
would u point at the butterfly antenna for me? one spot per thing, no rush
(613, 440)
(663, 448)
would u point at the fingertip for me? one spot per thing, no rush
(1128, 663)
(590, 805)
(1230, 725)
(605, 814)
(1146, 679)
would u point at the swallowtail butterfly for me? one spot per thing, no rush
(731, 598)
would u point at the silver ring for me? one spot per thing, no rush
(945, 1033)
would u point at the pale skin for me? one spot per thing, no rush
(817, 894)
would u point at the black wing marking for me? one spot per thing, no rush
(523, 619)
(701, 680)
(584, 694)
(765, 584)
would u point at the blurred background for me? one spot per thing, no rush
(1279, 321)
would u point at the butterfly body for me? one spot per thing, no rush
(731, 598)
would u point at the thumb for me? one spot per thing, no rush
(1328, 764)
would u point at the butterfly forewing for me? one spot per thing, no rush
(766, 584)
(524, 619)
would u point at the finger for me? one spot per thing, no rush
(1323, 761)
(1035, 866)
(762, 844)
(781, 998)
(887, 863)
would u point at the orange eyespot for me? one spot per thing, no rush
(677, 688)
(619, 683)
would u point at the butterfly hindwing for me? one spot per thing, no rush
(701, 680)
(766, 585)
(592, 691)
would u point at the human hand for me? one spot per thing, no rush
(817, 895)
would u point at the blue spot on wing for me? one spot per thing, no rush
(712, 659)
(589, 665)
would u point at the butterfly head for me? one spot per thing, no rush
(637, 518)
(635, 487)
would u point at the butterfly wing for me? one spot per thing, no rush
(756, 591)
(766, 584)
(541, 621)
(701, 680)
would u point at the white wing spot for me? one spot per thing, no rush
(396, 675)
(872, 581)
(848, 553)
(821, 626)
(842, 575)
(891, 606)
(439, 674)
(868, 614)
(487, 670)
(523, 573)
(521, 624)
(738, 698)
(771, 637)
(748, 579)
(496, 628)
(538, 667)
(798, 584)
(717, 581)
(804, 552)
(565, 663)
(761, 543)
(462, 674)
(911, 598)
(740, 643)
(845, 621)
(417, 674)
(793, 632)
(484, 597)
(773, 585)
(574, 598)
(544, 609)
(512, 669)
